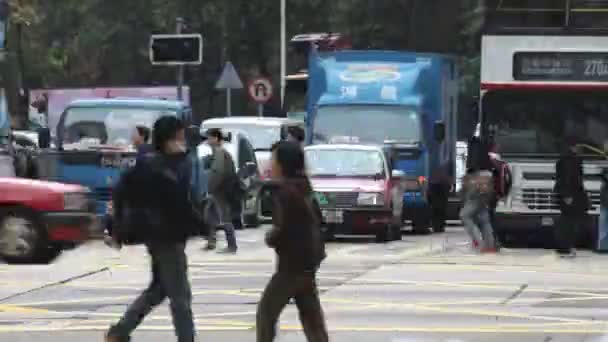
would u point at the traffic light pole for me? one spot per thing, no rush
(180, 68)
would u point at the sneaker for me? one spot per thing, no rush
(228, 250)
(475, 245)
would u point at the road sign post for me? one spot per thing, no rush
(180, 69)
(260, 91)
(229, 80)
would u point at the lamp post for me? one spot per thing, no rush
(4, 11)
(283, 50)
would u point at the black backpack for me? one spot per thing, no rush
(136, 223)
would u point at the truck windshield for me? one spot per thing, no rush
(344, 163)
(105, 125)
(538, 122)
(373, 124)
(295, 99)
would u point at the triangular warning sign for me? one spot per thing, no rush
(229, 78)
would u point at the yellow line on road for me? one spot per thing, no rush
(513, 287)
(333, 328)
(464, 311)
(21, 309)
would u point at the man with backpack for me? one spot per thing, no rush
(224, 186)
(154, 207)
(502, 187)
(478, 192)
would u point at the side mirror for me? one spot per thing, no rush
(397, 174)
(193, 136)
(228, 137)
(44, 137)
(439, 131)
(251, 169)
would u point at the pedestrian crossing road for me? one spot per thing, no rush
(423, 288)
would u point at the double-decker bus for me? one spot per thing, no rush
(544, 80)
(296, 85)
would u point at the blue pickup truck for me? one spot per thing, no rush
(404, 101)
(93, 142)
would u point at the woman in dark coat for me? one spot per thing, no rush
(296, 238)
(572, 197)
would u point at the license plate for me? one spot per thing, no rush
(547, 221)
(333, 216)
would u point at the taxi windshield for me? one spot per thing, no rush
(105, 125)
(345, 163)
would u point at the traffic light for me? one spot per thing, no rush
(182, 49)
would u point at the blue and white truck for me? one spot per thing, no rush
(405, 101)
(93, 142)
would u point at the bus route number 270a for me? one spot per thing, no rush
(596, 68)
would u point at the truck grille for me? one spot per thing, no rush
(103, 194)
(546, 199)
(341, 199)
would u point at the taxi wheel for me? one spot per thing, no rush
(385, 235)
(23, 239)
(396, 232)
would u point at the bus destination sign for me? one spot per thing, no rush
(561, 66)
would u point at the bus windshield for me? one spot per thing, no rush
(367, 124)
(538, 122)
(106, 125)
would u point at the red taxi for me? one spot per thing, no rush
(357, 190)
(38, 220)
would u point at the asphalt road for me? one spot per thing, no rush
(424, 288)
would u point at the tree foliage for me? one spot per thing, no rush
(84, 43)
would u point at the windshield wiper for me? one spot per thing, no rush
(325, 175)
(402, 141)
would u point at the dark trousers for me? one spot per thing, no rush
(281, 288)
(439, 194)
(567, 231)
(169, 279)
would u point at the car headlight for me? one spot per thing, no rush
(370, 198)
(75, 201)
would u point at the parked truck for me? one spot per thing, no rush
(404, 101)
(93, 143)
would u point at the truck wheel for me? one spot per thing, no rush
(23, 239)
(438, 226)
(328, 234)
(396, 235)
(421, 226)
(384, 235)
(252, 220)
